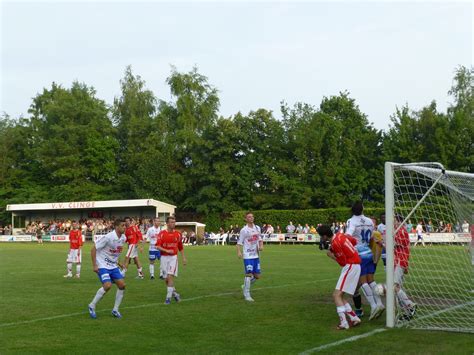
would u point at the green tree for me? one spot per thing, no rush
(72, 143)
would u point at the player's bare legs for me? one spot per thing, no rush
(170, 290)
(344, 309)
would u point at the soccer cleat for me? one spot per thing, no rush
(77, 276)
(343, 326)
(177, 297)
(412, 309)
(152, 277)
(68, 276)
(354, 322)
(116, 314)
(373, 313)
(359, 312)
(168, 301)
(249, 299)
(92, 312)
(379, 311)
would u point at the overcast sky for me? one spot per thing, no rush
(385, 54)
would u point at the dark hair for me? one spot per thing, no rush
(118, 222)
(324, 231)
(382, 214)
(357, 208)
(169, 218)
(127, 218)
(399, 217)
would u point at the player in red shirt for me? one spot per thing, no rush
(74, 255)
(401, 257)
(343, 251)
(134, 236)
(169, 243)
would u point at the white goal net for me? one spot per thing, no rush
(435, 207)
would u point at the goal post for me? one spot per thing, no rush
(436, 208)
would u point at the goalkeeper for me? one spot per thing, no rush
(401, 256)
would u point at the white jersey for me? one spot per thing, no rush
(109, 248)
(383, 230)
(249, 238)
(152, 236)
(361, 228)
(419, 229)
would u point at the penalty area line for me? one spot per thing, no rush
(342, 341)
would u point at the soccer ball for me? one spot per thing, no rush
(380, 289)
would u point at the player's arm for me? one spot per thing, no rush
(94, 260)
(239, 245)
(181, 250)
(331, 255)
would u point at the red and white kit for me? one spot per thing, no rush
(343, 248)
(169, 261)
(75, 243)
(402, 255)
(134, 236)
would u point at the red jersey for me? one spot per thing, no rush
(133, 235)
(75, 239)
(402, 248)
(170, 240)
(343, 248)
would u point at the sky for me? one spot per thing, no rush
(257, 54)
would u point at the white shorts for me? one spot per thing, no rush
(398, 274)
(132, 251)
(349, 278)
(74, 256)
(169, 265)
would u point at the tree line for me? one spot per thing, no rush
(74, 146)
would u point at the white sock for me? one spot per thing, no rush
(349, 311)
(253, 279)
(170, 292)
(174, 291)
(140, 271)
(369, 295)
(98, 296)
(247, 286)
(341, 312)
(69, 268)
(78, 269)
(124, 271)
(403, 299)
(152, 270)
(118, 299)
(377, 298)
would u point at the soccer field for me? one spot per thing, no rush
(293, 311)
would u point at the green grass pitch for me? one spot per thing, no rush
(41, 312)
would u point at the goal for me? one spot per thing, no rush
(440, 279)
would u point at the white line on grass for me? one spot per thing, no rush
(4, 325)
(364, 335)
(339, 342)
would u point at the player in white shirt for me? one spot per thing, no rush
(154, 253)
(361, 228)
(105, 254)
(250, 240)
(383, 230)
(419, 234)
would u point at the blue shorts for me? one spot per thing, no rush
(109, 275)
(367, 266)
(252, 266)
(154, 254)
